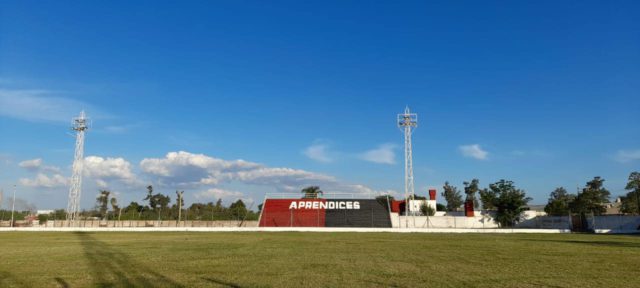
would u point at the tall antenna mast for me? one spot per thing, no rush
(79, 124)
(407, 122)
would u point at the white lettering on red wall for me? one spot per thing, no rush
(330, 205)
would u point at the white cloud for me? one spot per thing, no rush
(188, 169)
(285, 179)
(101, 183)
(474, 151)
(384, 154)
(38, 106)
(318, 152)
(44, 181)
(33, 164)
(217, 193)
(37, 165)
(195, 172)
(624, 156)
(104, 170)
(184, 169)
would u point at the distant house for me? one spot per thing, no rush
(613, 208)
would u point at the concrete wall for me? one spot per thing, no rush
(478, 222)
(614, 224)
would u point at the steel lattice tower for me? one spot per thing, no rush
(80, 125)
(407, 122)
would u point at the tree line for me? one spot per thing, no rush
(593, 198)
(508, 201)
(503, 197)
(157, 206)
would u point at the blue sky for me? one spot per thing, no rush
(542, 93)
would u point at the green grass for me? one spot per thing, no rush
(61, 259)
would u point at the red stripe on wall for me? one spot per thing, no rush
(276, 213)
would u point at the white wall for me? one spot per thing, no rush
(478, 222)
(444, 222)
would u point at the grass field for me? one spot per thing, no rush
(289, 259)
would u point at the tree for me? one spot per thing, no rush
(488, 199)
(592, 199)
(114, 205)
(452, 196)
(559, 201)
(133, 208)
(162, 201)
(59, 214)
(470, 188)
(440, 207)
(311, 192)
(238, 209)
(508, 201)
(631, 202)
(149, 192)
(102, 203)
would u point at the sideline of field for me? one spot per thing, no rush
(280, 229)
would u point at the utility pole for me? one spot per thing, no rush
(179, 195)
(13, 205)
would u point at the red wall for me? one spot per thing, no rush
(276, 213)
(397, 206)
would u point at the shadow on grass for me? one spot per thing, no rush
(381, 284)
(7, 279)
(223, 283)
(62, 283)
(112, 268)
(600, 243)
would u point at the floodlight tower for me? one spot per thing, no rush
(79, 124)
(407, 122)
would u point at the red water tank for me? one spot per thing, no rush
(468, 208)
(432, 194)
(397, 206)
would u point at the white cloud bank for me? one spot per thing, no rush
(204, 176)
(44, 181)
(384, 154)
(184, 169)
(37, 165)
(105, 170)
(474, 151)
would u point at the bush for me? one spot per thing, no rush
(42, 219)
(427, 210)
